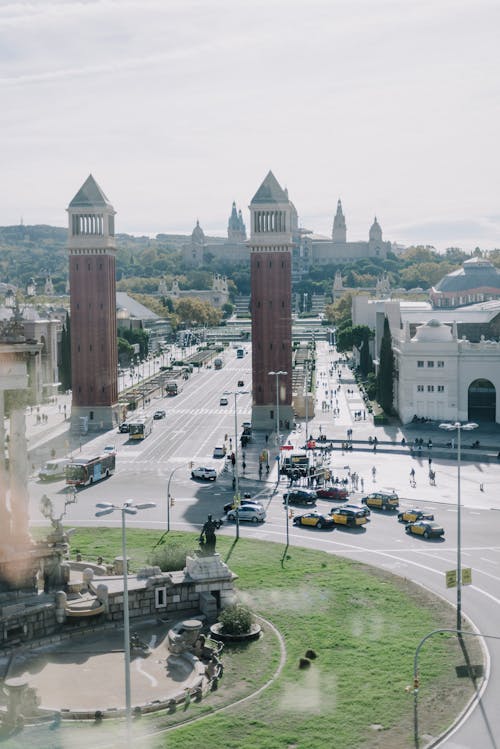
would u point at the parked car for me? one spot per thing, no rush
(410, 516)
(248, 502)
(124, 428)
(382, 500)
(300, 497)
(313, 520)
(208, 474)
(219, 452)
(223, 402)
(250, 513)
(160, 414)
(347, 516)
(425, 528)
(332, 492)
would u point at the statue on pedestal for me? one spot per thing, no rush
(207, 538)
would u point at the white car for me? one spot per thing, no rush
(109, 449)
(252, 513)
(219, 452)
(208, 474)
(223, 402)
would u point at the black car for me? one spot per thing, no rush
(124, 428)
(300, 497)
(160, 414)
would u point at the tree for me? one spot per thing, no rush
(385, 375)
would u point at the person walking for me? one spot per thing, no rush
(374, 473)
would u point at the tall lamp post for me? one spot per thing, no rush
(236, 477)
(459, 428)
(277, 375)
(128, 508)
(169, 498)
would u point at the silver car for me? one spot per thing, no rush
(251, 513)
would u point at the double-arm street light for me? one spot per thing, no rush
(277, 375)
(128, 508)
(459, 428)
(236, 477)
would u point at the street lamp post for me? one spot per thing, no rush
(277, 375)
(169, 498)
(128, 508)
(236, 477)
(459, 428)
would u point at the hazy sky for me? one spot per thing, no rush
(179, 107)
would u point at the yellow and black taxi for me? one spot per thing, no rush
(348, 516)
(382, 500)
(313, 520)
(425, 528)
(409, 516)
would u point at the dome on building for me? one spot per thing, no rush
(433, 332)
(198, 236)
(375, 231)
(474, 273)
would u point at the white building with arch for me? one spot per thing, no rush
(441, 377)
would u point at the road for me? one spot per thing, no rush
(196, 423)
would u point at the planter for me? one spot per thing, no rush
(217, 634)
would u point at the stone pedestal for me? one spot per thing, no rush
(204, 568)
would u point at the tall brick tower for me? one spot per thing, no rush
(273, 218)
(94, 356)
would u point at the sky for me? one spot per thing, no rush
(179, 107)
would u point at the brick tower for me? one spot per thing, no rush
(273, 219)
(94, 356)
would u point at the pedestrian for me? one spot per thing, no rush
(362, 482)
(374, 473)
(430, 461)
(267, 438)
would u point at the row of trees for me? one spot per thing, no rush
(348, 337)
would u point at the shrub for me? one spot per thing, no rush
(236, 619)
(170, 556)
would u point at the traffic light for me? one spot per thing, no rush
(416, 682)
(290, 514)
(172, 501)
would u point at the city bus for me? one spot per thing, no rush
(83, 471)
(296, 461)
(173, 387)
(140, 427)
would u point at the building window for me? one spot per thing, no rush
(441, 364)
(160, 598)
(420, 364)
(430, 388)
(420, 388)
(440, 388)
(430, 363)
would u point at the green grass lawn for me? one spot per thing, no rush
(364, 625)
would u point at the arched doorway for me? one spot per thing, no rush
(482, 401)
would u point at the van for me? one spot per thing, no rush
(54, 469)
(219, 452)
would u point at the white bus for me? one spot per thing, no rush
(140, 427)
(83, 471)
